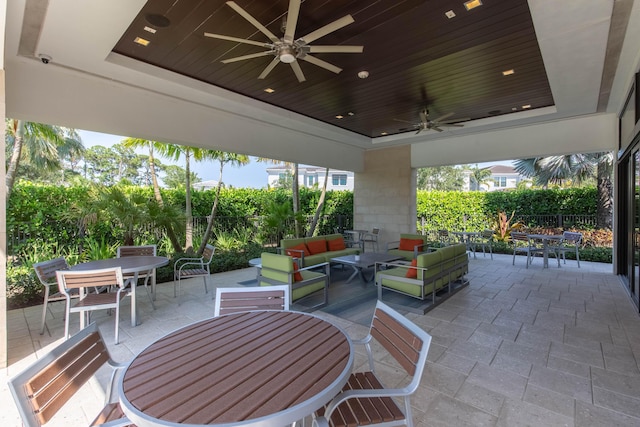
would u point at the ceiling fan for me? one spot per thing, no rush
(287, 49)
(435, 124)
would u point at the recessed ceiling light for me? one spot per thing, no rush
(350, 113)
(363, 74)
(508, 72)
(150, 30)
(339, 116)
(141, 41)
(383, 133)
(514, 108)
(269, 90)
(450, 14)
(472, 4)
(524, 107)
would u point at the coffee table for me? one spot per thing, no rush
(367, 260)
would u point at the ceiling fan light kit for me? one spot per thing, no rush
(287, 49)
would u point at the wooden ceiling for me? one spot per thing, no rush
(416, 57)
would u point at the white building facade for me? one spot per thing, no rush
(312, 176)
(502, 178)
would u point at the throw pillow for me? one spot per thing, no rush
(336, 244)
(300, 247)
(317, 246)
(409, 244)
(297, 276)
(412, 273)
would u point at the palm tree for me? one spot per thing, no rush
(38, 144)
(160, 147)
(576, 168)
(222, 158)
(295, 190)
(316, 216)
(480, 176)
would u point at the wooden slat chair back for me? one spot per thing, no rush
(365, 400)
(145, 250)
(186, 268)
(44, 387)
(233, 300)
(46, 273)
(84, 282)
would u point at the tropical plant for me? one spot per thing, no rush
(222, 158)
(320, 206)
(479, 176)
(503, 226)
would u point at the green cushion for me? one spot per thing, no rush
(407, 286)
(289, 243)
(305, 290)
(276, 267)
(407, 255)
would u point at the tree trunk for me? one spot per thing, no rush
(188, 214)
(171, 234)
(15, 155)
(604, 213)
(212, 217)
(296, 200)
(316, 216)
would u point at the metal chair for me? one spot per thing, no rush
(364, 400)
(232, 300)
(371, 238)
(186, 268)
(146, 250)
(83, 281)
(46, 273)
(523, 244)
(570, 242)
(444, 238)
(282, 270)
(44, 387)
(484, 241)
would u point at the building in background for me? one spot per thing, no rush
(311, 176)
(502, 178)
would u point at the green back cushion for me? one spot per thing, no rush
(276, 267)
(289, 243)
(413, 236)
(429, 261)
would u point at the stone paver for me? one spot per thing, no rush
(556, 346)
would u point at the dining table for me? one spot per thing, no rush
(267, 368)
(467, 237)
(546, 239)
(129, 265)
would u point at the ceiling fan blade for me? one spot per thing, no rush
(292, 20)
(419, 130)
(441, 118)
(450, 125)
(436, 128)
(298, 71)
(253, 21)
(336, 49)
(404, 121)
(329, 28)
(236, 39)
(242, 58)
(268, 69)
(321, 63)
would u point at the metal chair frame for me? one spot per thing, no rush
(573, 238)
(186, 268)
(371, 238)
(46, 273)
(523, 244)
(88, 302)
(44, 387)
(365, 400)
(145, 250)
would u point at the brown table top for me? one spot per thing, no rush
(261, 368)
(367, 259)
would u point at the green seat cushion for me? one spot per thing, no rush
(407, 255)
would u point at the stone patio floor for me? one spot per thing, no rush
(535, 347)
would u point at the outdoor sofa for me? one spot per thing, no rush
(433, 272)
(316, 250)
(409, 246)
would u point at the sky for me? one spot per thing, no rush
(253, 175)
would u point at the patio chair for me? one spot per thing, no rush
(302, 282)
(570, 243)
(523, 244)
(485, 241)
(46, 273)
(83, 281)
(187, 268)
(371, 238)
(146, 250)
(364, 400)
(444, 238)
(44, 387)
(232, 300)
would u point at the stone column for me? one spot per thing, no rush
(3, 207)
(384, 195)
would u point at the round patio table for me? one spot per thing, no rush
(256, 368)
